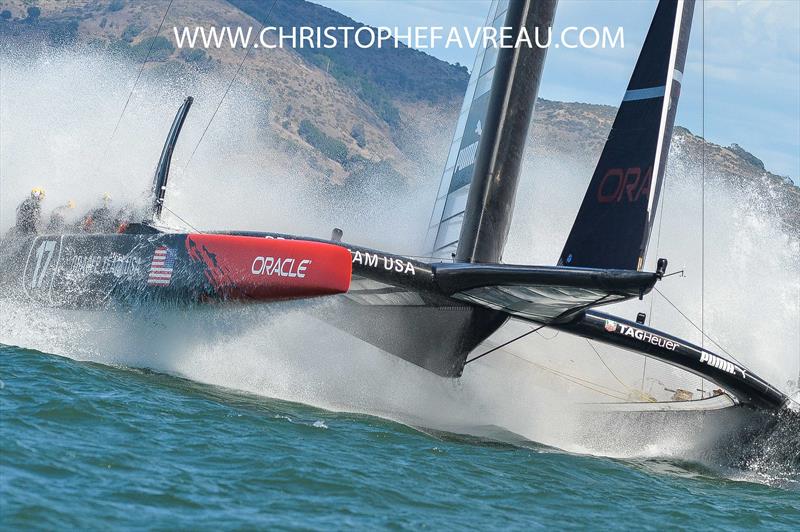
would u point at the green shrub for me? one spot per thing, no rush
(358, 134)
(131, 31)
(332, 148)
(160, 48)
(63, 32)
(33, 14)
(194, 55)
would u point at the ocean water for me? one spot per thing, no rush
(87, 446)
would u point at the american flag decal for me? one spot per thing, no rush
(161, 266)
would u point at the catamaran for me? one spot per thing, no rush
(439, 314)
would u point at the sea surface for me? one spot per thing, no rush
(89, 446)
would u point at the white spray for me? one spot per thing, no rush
(57, 114)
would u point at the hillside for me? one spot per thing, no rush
(346, 119)
(375, 73)
(356, 114)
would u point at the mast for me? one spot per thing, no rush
(490, 203)
(162, 170)
(488, 97)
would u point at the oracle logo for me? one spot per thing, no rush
(624, 185)
(281, 267)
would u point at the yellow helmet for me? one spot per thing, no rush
(106, 198)
(37, 193)
(70, 204)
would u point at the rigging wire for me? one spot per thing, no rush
(138, 75)
(596, 352)
(133, 88)
(422, 257)
(693, 324)
(703, 195)
(585, 383)
(492, 350)
(658, 245)
(228, 88)
(219, 104)
(193, 228)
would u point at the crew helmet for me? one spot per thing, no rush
(37, 193)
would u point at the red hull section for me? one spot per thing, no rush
(267, 269)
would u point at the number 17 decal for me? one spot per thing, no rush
(44, 254)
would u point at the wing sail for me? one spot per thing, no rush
(472, 212)
(614, 222)
(451, 199)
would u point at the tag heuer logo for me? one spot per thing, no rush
(611, 326)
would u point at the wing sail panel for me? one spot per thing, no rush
(448, 211)
(615, 219)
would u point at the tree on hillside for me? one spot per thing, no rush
(358, 134)
(132, 30)
(160, 48)
(33, 14)
(63, 32)
(333, 149)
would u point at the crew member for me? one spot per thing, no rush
(57, 222)
(99, 220)
(29, 213)
(123, 218)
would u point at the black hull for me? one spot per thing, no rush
(432, 315)
(108, 271)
